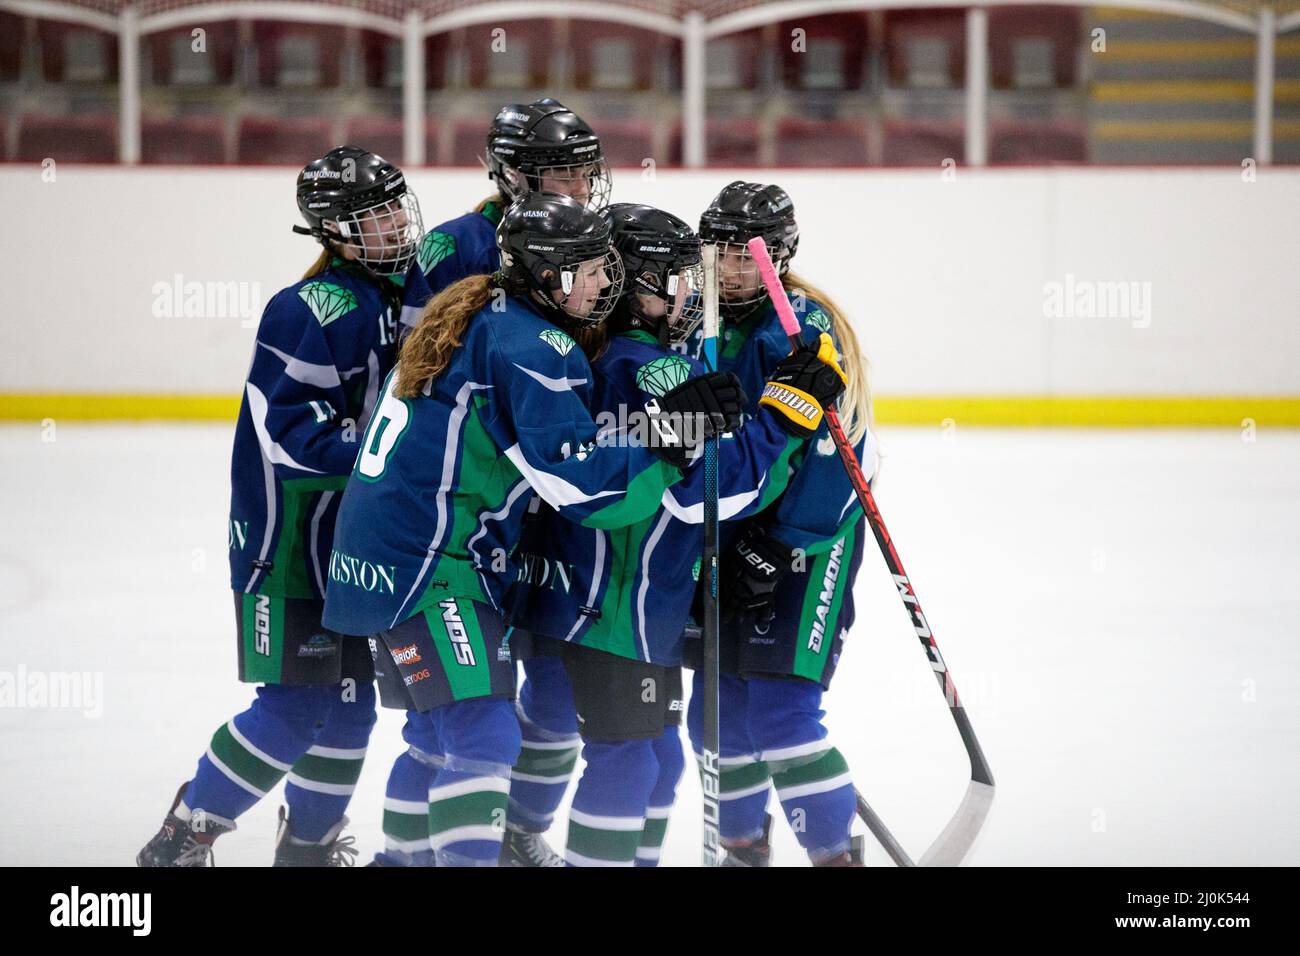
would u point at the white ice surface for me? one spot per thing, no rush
(1121, 612)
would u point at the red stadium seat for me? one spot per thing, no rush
(728, 142)
(625, 142)
(13, 30)
(836, 50)
(1033, 46)
(731, 142)
(469, 143)
(731, 61)
(76, 54)
(909, 143)
(282, 141)
(67, 139)
(925, 47)
(611, 56)
(1035, 143)
(297, 54)
(173, 60)
(517, 57)
(437, 61)
(831, 142)
(381, 60)
(379, 134)
(185, 140)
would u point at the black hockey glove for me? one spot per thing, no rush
(749, 575)
(699, 408)
(800, 388)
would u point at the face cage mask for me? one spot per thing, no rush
(740, 287)
(385, 236)
(592, 303)
(684, 289)
(589, 183)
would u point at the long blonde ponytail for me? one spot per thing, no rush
(855, 404)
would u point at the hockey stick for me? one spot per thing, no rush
(710, 744)
(958, 836)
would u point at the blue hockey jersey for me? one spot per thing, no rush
(628, 591)
(440, 488)
(323, 347)
(819, 505)
(464, 246)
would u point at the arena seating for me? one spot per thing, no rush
(925, 48)
(67, 139)
(1038, 143)
(813, 142)
(183, 140)
(173, 61)
(913, 143)
(834, 58)
(297, 54)
(281, 140)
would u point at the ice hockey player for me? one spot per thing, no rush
(488, 404)
(323, 347)
(613, 605)
(787, 573)
(531, 147)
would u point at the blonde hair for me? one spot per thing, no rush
(494, 200)
(320, 265)
(855, 403)
(426, 350)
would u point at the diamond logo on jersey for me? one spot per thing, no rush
(327, 301)
(557, 340)
(819, 320)
(663, 375)
(435, 247)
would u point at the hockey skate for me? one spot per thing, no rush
(752, 853)
(855, 855)
(184, 842)
(521, 848)
(333, 850)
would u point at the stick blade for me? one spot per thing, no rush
(958, 838)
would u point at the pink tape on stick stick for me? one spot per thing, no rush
(758, 249)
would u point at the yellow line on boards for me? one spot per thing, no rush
(36, 406)
(1106, 411)
(1126, 411)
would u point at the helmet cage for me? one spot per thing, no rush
(385, 235)
(519, 171)
(675, 283)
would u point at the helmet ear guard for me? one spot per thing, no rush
(357, 199)
(553, 248)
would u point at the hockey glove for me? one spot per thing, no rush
(699, 408)
(749, 575)
(800, 388)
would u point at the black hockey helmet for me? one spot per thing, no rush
(354, 198)
(737, 214)
(560, 254)
(544, 145)
(661, 258)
